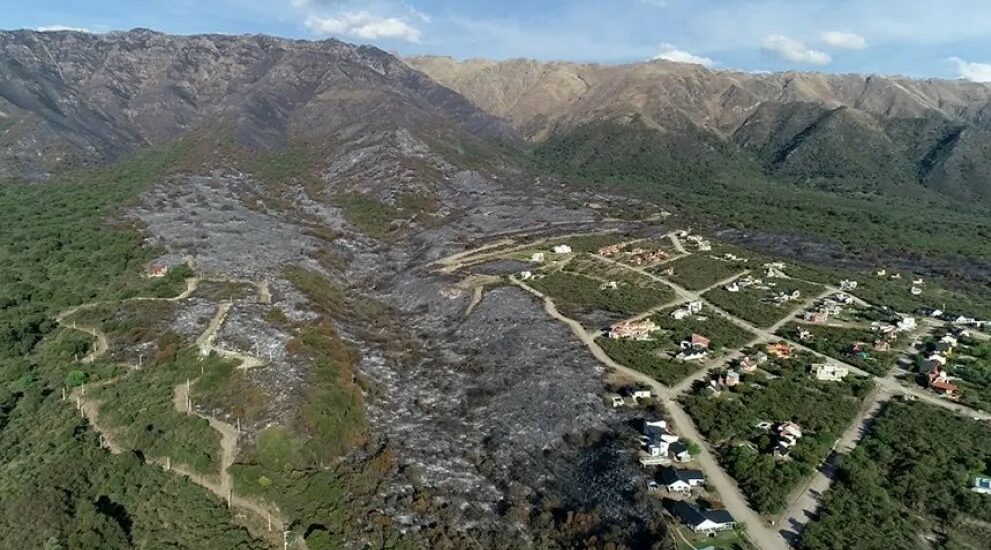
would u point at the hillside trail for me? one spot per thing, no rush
(89, 407)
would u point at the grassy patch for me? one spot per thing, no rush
(757, 305)
(219, 291)
(140, 412)
(651, 358)
(721, 332)
(701, 270)
(579, 294)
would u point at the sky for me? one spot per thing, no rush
(918, 38)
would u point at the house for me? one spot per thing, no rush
(906, 324)
(918, 282)
(950, 340)
(938, 381)
(773, 272)
(157, 271)
(748, 365)
(526, 275)
(817, 316)
(611, 285)
(847, 284)
(639, 393)
(828, 373)
(699, 342)
(695, 306)
(732, 287)
(610, 251)
(537, 257)
(679, 452)
(804, 334)
(705, 246)
(881, 273)
(616, 400)
(781, 350)
(561, 249)
(790, 429)
(690, 354)
(732, 379)
(635, 330)
(982, 485)
(702, 521)
(681, 481)
(657, 438)
(882, 345)
(680, 314)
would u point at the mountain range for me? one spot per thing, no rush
(867, 131)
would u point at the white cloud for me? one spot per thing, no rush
(364, 25)
(844, 40)
(53, 28)
(977, 72)
(793, 50)
(671, 53)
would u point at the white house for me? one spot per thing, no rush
(695, 306)
(847, 284)
(702, 521)
(906, 324)
(680, 314)
(562, 249)
(829, 373)
(537, 257)
(681, 481)
(982, 485)
(526, 275)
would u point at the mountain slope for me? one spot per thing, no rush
(850, 132)
(70, 97)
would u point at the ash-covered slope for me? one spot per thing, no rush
(68, 97)
(866, 130)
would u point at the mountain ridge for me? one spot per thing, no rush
(796, 126)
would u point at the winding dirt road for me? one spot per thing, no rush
(90, 408)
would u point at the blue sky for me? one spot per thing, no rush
(920, 38)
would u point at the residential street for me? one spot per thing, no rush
(807, 498)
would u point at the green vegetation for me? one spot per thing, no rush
(650, 358)
(588, 243)
(721, 332)
(655, 357)
(838, 342)
(910, 477)
(379, 219)
(579, 294)
(56, 249)
(705, 178)
(950, 296)
(970, 364)
(140, 413)
(757, 305)
(219, 291)
(603, 271)
(822, 409)
(701, 270)
(58, 488)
